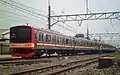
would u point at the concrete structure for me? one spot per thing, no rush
(4, 33)
(4, 41)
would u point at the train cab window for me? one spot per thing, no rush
(20, 34)
(41, 37)
(48, 38)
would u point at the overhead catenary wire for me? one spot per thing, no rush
(29, 7)
(18, 19)
(27, 11)
(66, 28)
(22, 9)
(25, 17)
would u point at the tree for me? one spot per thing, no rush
(79, 36)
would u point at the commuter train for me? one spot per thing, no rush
(27, 41)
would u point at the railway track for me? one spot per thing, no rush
(27, 61)
(59, 68)
(24, 62)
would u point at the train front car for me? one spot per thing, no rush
(21, 41)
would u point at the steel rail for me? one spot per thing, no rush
(58, 66)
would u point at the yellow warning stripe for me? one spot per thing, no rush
(83, 47)
(22, 45)
(32, 45)
(53, 45)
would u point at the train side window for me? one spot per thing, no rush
(35, 31)
(41, 37)
(70, 42)
(63, 40)
(58, 40)
(83, 43)
(86, 43)
(48, 38)
(77, 43)
(54, 39)
(80, 43)
(36, 36)
(67, 41)
(92, 44)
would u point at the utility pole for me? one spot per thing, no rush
(87, 10)
(87, 7)
(49, 16)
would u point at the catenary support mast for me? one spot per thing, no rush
(49, 16)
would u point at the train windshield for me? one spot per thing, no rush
(20, 34)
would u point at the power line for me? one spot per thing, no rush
(67, 28)
(25, 7)
(21, 9)
(29, 12)
(28, 6)
(26, 17)
(20, 19)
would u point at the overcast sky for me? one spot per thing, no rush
(68, 7)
